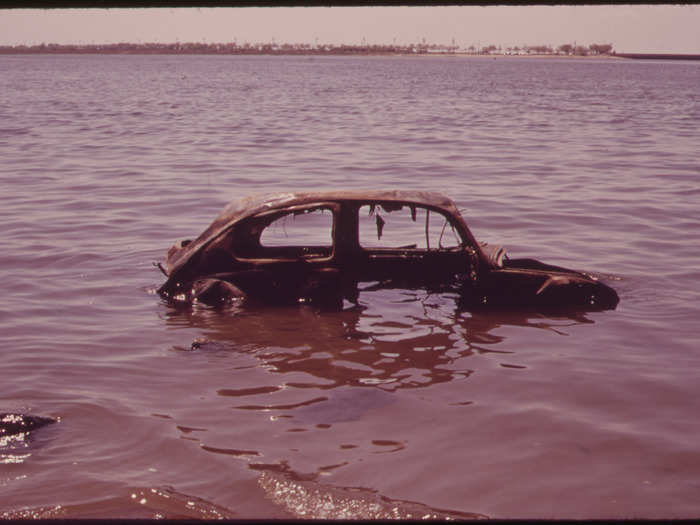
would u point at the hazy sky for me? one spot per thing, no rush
(651, 28)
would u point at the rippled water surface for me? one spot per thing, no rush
(404, 406)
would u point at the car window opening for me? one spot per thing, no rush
(405, 227)
(309, 227)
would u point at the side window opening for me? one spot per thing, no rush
(308, 227)
(409, 227)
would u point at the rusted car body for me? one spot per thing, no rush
(322, 247)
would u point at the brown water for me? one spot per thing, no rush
(406, 406)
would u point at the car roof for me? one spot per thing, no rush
(240, 209)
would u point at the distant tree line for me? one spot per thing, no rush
(270, 48)
(564, 49)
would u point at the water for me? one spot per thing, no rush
(407, 406)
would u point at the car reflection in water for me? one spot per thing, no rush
(404, 339)
(332, 368)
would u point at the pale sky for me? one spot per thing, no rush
(630, 28)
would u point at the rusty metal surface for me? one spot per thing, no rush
(483, 274)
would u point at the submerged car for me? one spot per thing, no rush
(320, 247)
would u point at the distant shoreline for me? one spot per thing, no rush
(233, 48)
(308, 50)
(4, 51)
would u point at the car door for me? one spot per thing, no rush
(287, 253)
(410, 244)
